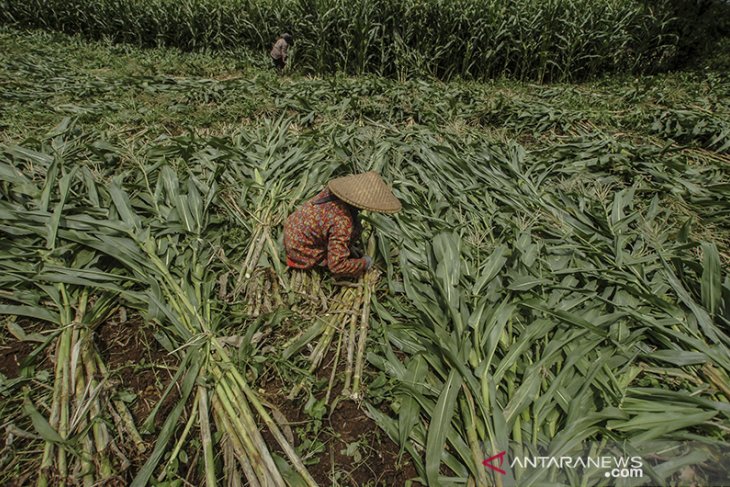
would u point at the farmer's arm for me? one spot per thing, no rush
(338, 250)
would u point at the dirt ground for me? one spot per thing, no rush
(348, 424)
(12, 354)
(124, 346)
(139, 365)
(345, 425)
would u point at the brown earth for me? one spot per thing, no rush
(137, 361)
(14, 351)
(381, 465)
(345, 425)
(12, 354)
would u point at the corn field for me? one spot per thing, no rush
(558, 275)
(473, 39)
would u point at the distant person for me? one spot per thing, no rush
(280, 51)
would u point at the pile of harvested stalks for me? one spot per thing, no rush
(346, 315)
(79, 403)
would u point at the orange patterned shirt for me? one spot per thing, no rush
(320, 233)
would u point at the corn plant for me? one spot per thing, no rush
(559, 39)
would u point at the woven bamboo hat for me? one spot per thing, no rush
(366, 191)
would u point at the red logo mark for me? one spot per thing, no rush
(500, 457)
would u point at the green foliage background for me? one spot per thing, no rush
(473, 39)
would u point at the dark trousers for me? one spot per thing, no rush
(278, 63)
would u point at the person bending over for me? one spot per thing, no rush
(321, 231)
(280, 51)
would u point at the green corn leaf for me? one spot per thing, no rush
(50, 183)
(195, 204)
(19, 333)
(702, 317)
(711, 283)
(64, 186)
(410, 409)
(122, 204)
(678, 358)
(525, 283)
(39, 313)
(494, 265)
(40, 424)
(440, 426)
(310, 334)
(563, 315)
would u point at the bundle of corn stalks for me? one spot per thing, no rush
(269, 213)
(258, 200)
(347, 316)
(306, 292)
(81, 400)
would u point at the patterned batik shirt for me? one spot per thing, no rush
(320, 232)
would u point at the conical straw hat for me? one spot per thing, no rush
(366, 191)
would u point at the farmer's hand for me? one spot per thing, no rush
(368, 262)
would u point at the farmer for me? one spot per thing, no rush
(280, 50)
(321, 231)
